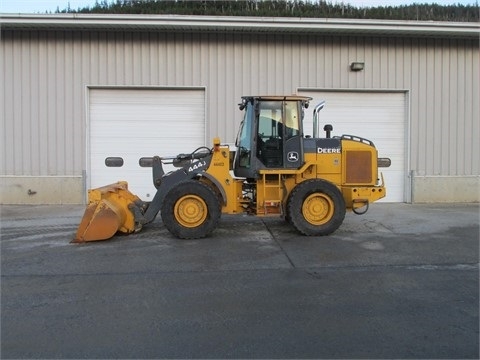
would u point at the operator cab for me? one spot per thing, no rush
(270, 135)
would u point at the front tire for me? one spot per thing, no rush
(191, 210)
(316, 208)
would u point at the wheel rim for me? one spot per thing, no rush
(318, 209)
(190, 211)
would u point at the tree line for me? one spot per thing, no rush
(285, 8)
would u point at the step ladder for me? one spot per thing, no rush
(272, 206)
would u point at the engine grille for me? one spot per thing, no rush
(358, 167)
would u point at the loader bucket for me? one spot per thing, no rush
(107, 213)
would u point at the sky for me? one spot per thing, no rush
(42, 6)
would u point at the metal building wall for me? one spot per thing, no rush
(45, 75)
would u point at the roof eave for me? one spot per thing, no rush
(228, 24)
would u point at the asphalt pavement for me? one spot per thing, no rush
(401, 281)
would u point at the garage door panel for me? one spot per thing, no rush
(139, 131)
(376, 116)
(135, 123)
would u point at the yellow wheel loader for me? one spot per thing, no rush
(274, 171)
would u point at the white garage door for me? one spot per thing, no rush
(376, 116)
(135, 123)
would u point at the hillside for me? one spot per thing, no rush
(285, 8)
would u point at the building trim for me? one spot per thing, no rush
(229, 24)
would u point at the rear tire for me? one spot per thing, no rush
(316, 208)
(191, 210)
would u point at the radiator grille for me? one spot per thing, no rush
(358, 167)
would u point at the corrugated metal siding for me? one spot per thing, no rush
(46, 72)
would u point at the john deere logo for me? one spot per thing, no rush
(292, 156)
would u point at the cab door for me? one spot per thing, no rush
(279, 134)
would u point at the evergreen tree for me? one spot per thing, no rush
(285, 8)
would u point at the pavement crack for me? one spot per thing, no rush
(279, 245)
(315, 270)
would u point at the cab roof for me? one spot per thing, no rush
(279, 97)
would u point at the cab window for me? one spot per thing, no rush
(292, 127)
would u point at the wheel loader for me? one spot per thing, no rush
(274, 170)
